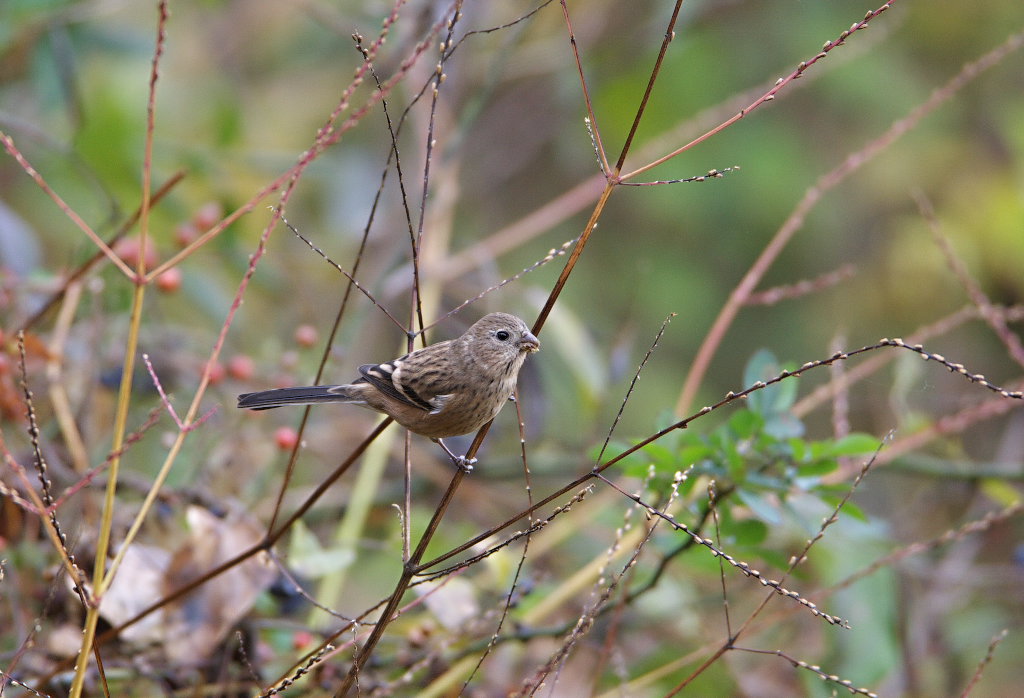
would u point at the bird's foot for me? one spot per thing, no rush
(461, 462)
(464, 464)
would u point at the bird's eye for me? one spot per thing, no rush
(502, 335)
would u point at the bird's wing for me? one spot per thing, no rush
(416, 379)
(381, 376)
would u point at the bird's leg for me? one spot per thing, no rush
(460, 462)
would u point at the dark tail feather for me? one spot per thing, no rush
(311, 395)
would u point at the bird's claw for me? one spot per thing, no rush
(464, 464)
(461, 462)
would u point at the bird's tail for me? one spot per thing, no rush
(309, 395)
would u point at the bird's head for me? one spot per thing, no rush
(500, 338)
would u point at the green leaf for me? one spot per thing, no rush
(849, 508)
(798, 448)
(855, 511)
(749, 532)
(1000, 491)
(760, 506)
(312, 559)
(836, 491)
(767, 481)
(817, 468)
(615, 447)
(783, 425)
(734, 461)
(806, 484)
(663, 458)
(773, 558)
(761, 366)
(777, 398)
(695, 454)
(637, 464)
(745, 423)
(855, 445)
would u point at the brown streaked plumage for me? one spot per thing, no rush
(446, 389)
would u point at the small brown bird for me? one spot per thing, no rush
(446, 389)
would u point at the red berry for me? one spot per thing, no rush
(286, 438)
(306, 335)
(217, 373)
(128, 250)
(208, 215)
(170, 280)
(241, 367)
(301, 639)
(185, 234)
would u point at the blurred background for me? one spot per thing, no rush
(242, 90)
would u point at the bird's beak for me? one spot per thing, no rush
(529, 342)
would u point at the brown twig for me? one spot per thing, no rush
(986, 308)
